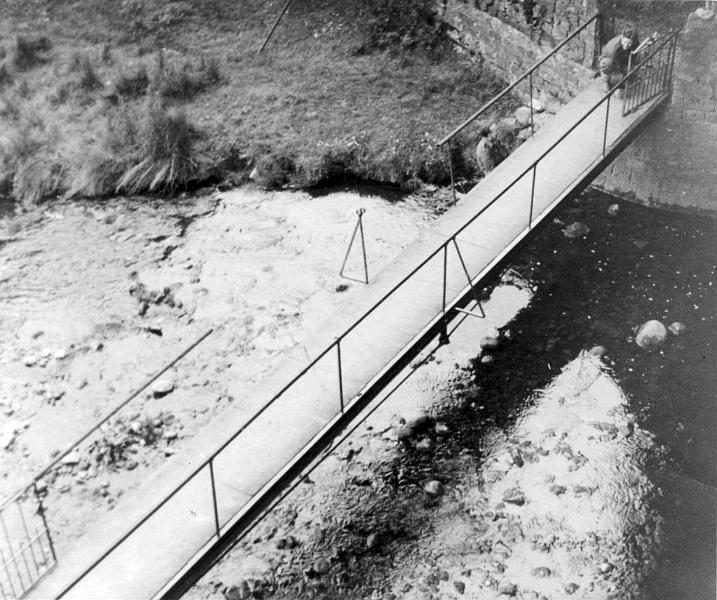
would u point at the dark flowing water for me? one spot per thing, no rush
(636, 265)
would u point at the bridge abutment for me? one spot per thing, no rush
(673, 163)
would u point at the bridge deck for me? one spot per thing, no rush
(143, 565)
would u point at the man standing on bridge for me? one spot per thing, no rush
(615, 56)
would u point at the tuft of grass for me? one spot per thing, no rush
(28, 52)
(86, 78)
(182, 83)
(132, 84)
(38, 177)
(165, 158)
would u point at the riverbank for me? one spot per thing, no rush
(149, 96)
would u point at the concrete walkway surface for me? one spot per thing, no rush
(141, 566)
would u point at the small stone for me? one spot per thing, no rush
(372, 541)
(131, 464)
(613, 209)
(571, 588)
(537, 105)
(155, 329)
(626, 430)
(342, 287)
(517, 457)
(598, 351)
(487, 359)
(651, 334)
(281, 543)
(433, 488)
(677, 328)
(71, 459)
(321, 566)
(514, 496)
(558, 490)
(640, 244)
(425, 445)
(490, 582)
(60, 354)
(489, 343)
(541, 572)
(238, 592)
(605, 567)
(576, 230)
(81, 383)
(460, 587)
(41, 486)
(30, 360)
(404, 433)
(162, 387)
(170, 434)
(420, 424)
(441, 429)
(509, 589)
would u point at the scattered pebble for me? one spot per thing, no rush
(460, 587)
(433, 488)
(30, 360)
(541, 572)
(677, 328)
(162, 387)
(514, 496)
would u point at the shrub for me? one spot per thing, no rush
(165, 154)
(29, 52)
(134, 84)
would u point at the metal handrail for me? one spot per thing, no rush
(512, 86)
(209, 462)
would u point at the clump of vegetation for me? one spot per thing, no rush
(28, 52)
(182, 83)
(132, 84)
(165, 156)
(86, 77)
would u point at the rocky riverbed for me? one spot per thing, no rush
(97, 296)
(544, 453)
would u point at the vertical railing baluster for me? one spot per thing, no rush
(341, 376)
(214, 497)
(607, 116)
(532, 196)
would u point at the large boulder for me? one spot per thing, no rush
(651, 335)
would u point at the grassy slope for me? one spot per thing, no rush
(308, 108)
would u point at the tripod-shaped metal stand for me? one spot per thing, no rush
(359, 228)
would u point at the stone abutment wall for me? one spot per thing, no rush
(674, 160)
(512, 35)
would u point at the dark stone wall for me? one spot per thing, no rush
(674, 161)
(511, 40)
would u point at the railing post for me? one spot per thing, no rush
(607, 115)
(12, 555)
(41, 512)
(532, 126)
(341, 377)
(214, 497)
(532, 196)
(450, 169)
